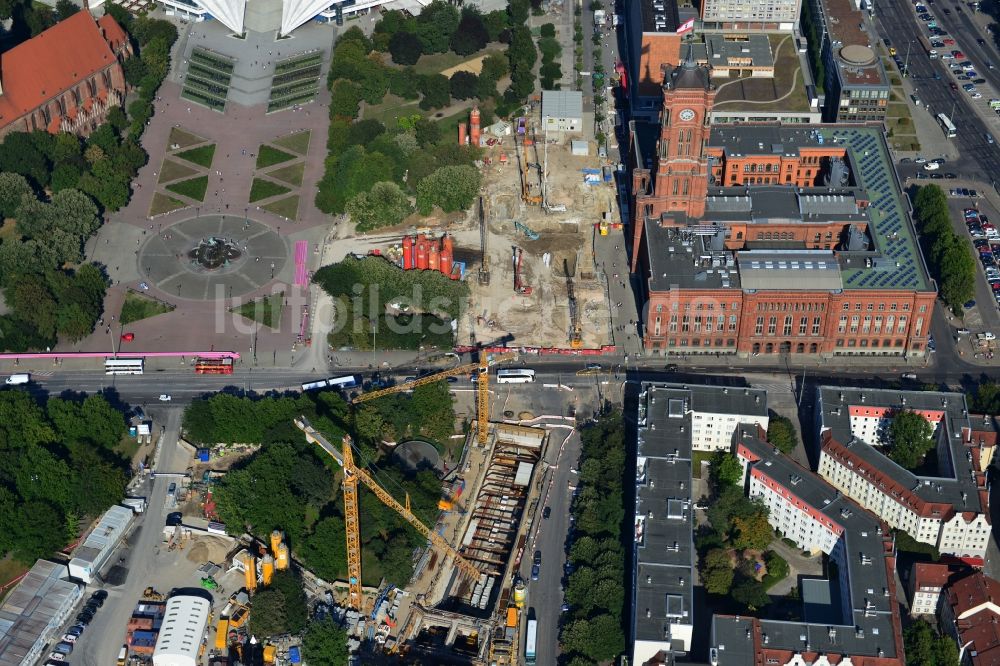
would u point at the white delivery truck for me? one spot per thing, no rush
(22, 378)
(137, 504)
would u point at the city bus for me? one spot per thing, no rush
(123, 366)
(529, 643)
(347, 381)
(515, 376)
(213, 366)
(947, 126)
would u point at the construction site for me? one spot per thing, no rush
(526, 249)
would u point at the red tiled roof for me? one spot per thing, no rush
(37, 70)
(926, 574)
(973, 591)
(114, 35)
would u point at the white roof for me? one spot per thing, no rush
(105, 535)
(184, 623)
(36, 606)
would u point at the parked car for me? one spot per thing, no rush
(534, 572)
(963, 331)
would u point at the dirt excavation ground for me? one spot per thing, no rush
(495, 313)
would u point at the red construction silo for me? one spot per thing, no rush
(407, 253)
(446, 259)
(433, 256)
(421, 262)
(461, 134)
(474, 126)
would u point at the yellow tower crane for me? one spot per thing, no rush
(482, 386)
(353, 474)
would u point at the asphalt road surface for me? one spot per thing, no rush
(102, 640)
(896, 21)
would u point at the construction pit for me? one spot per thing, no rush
(555, 239)
(554, 227)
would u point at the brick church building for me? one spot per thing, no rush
(66, 79)
(769, 239)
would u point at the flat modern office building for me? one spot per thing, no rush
(850, 619)
(945, 503)
(766, 239)
(743, 15)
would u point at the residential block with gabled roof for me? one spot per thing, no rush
(971, 614)
(947, 505)
(66, 79)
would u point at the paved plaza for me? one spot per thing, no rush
(168, 260)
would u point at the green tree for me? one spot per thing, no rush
(344, 99)
(289, 584)
(924, 648)
(911, 438)
(405, 48)
(781, 433)
(725, 470)
(385, 205)
(463, 85)
(436, 90)
(751, 532)
(325, 643)
(471, 34)
(325, 550)
(496, 23)
(717, 571)
(751, 593)
(518, 11)
(598, 639)
(435, 25)
(427, 131)
(268, 617)
(66, 8)
(13, 188)
(986, 399)
(38, 530)
(451, 188)
(436, 407)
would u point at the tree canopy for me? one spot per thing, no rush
(948, 255)
(593, 590)
(781, 433)
(325, 643)
(58, 463)
(910, 437)
(924, 648)
(725, 469)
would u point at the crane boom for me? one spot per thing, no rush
(405, 386)
(353, 526)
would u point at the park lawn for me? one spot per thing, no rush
(193, 188)
(171, 170)
(265, 310)
(8, 230)
(269, 156)
(298, 142)
(291, 174)
(388, 111)
(183, 139)
(9, 570)
(201, 155)
(287, 207)
(127, 448)
(265, 189)
(139, 306)
(163, 204)
(435, 63)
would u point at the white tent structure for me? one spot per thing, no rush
(228, 12)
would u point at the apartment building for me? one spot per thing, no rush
(927, 582)
(971, 615)
(861, 623)
(946, 505)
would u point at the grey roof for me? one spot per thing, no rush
(33, 610)
(659, 15)
(662, 590)
(868, 620)
(790, 269)
(688, 75)
(721, 50)
(956, 483)
(664, 555)
(886, 257)
(820, 601)
(562, 103)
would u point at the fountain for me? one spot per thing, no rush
(213, 253)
